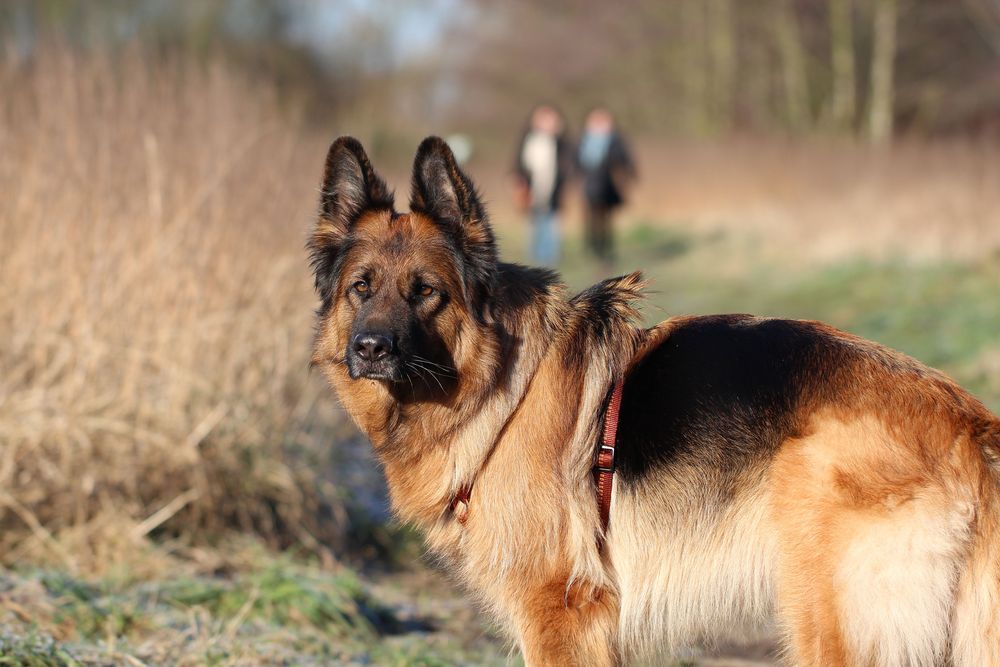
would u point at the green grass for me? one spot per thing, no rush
(288, 595)
(33, 649)
(277, 611)
(87, 610)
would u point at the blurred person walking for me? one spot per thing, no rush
(542, 165)
(608, 170)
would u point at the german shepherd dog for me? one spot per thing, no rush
(765, 468)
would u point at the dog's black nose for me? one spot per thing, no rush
(372, 346)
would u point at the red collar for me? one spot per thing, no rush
(460, 503)
(604, 467)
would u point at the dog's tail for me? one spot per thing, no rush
(976, 634)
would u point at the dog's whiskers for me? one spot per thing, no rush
(434, 377)
(415, 370)
(420, 369)
(446, 371)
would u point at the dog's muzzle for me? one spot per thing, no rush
(373, 355)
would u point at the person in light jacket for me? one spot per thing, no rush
(541, 169)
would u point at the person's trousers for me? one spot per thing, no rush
(545, 237)
(599, 238)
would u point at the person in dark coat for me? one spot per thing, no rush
(606, 164)
(541, 168)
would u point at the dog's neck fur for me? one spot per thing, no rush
(431, 449)
(535, 349)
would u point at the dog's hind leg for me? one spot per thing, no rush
(808, 615)
(872, 544)
(560, 624)
(859, 589)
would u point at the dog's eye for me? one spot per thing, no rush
(361, 287)
(425, 290)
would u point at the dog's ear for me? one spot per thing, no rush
(350, 188)
(444, 193)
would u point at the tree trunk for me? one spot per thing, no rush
(985, 16)
(695, 68)
(883, 70)
(722, 53)
(842, 108)
(793, 68)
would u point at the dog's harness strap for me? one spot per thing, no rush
(604, 466)
(604, 470)
(460, 504)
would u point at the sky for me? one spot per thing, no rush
(407, 28)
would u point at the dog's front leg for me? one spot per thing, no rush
(561, 624)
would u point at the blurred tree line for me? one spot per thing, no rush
(865, 68)
(869, 69)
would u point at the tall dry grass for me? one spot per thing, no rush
(155, 310)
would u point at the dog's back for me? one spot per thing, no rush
(769, 464)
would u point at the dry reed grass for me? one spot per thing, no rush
(155, 310)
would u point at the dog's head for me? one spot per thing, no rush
(400, 292)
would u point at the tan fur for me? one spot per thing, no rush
(872, 537)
